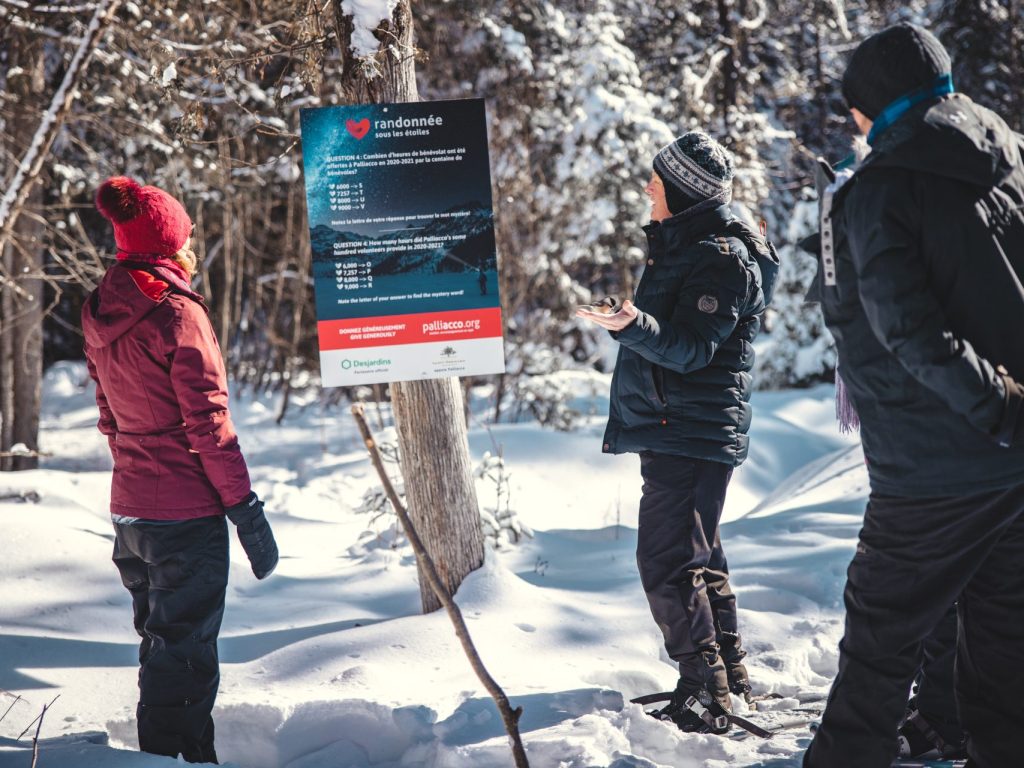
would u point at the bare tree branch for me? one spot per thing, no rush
(35, 739)
(32, 163)
(16, 697)
(508, 715)
(38, 718)
(58, 9)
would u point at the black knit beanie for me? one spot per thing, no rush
(890, 64)
(694, 168)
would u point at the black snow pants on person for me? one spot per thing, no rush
(683, 568)
(934, 695)
(177, 574)
(916, 557)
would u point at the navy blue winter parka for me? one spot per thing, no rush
(682, 379)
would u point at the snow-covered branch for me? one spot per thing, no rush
(58, 9)
(702, 82)
(31, 164)
(839, 9)
(38, 29)
(758, 20)
(288, 274)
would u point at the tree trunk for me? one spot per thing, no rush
(31, 132)
(821, 85)
(1015, 39)
(730, 73)
(395, 64)
(428, 414)
(21, 304)
(438, 479)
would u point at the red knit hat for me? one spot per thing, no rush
(147, 221)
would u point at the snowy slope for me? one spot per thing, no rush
(329, 665)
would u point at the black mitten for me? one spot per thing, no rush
(255, 535)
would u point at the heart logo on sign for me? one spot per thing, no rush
(358, 128)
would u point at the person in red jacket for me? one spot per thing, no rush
(178, 469)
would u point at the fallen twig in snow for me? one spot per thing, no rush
(35, 739)
(16, 698)
(39, 719)
(508, 715)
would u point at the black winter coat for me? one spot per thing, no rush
(682, 379)
(928, 301)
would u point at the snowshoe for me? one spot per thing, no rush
(768, 730)
(698, 713)
(918, 740)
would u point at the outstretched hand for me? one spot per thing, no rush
(615, 321)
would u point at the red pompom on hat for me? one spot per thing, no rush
(147, 221)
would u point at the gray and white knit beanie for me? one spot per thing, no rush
(695, 167)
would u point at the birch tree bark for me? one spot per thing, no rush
(21, 299)
(428, 414)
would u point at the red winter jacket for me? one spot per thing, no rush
(162, 394)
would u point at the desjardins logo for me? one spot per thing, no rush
(347, 364)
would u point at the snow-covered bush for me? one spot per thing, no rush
(501, 525)
(795, 349)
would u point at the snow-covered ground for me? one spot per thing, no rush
(328, 663)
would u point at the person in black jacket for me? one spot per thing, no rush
(679, 398)
(922, 264)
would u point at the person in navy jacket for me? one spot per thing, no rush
(680, 398)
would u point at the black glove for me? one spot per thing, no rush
(1011, 429)
(255, 535)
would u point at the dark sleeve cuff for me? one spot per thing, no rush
(636, 333)
(244, 508)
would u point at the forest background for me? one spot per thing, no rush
(202, 98)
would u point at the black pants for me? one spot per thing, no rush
(915, 558)
(177, 575)
(679, 554)
(936, 698)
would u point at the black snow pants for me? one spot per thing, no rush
(916, 557)
(934, 687)
(177, 574)
(682, 566)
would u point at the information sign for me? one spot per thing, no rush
(402, 231)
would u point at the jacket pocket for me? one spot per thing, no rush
(656, 377)
(137, 470)
(158, 472)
